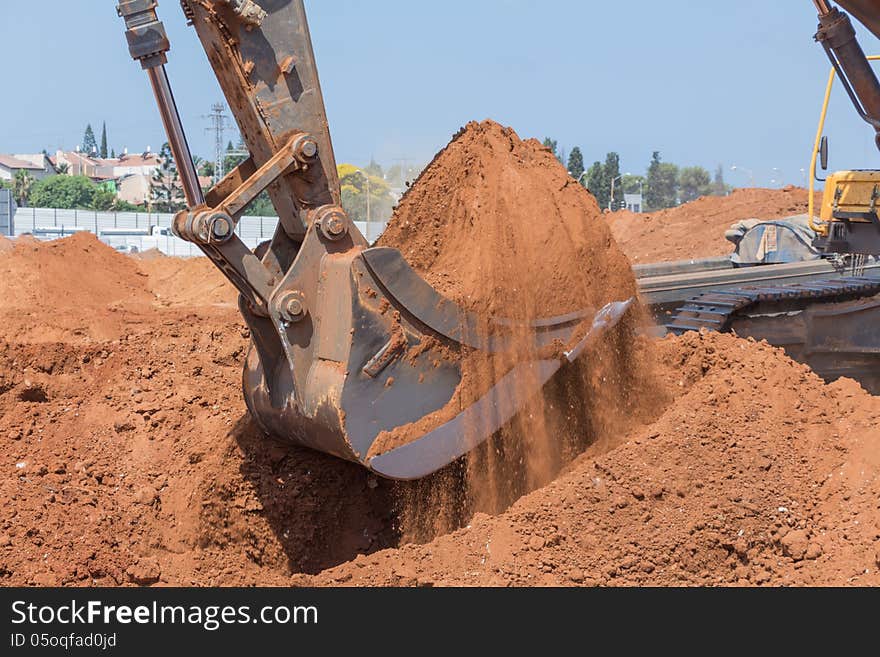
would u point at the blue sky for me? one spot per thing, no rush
(705, 82)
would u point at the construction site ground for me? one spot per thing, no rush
(129, 457)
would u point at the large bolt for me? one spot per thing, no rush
(332, 222)
(221, 227)
(292, 306)
(335, 226)
(305, 149)
(309, 148)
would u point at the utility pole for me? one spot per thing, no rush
(219, 125)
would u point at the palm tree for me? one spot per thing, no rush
(21, 186)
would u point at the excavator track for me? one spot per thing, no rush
(716, 311)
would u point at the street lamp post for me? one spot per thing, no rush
(780, 177)
(611, 200)
(580, 177)
(641, 191)
(749, 172)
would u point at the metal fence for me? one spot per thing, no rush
(7, 213)
(146, 229)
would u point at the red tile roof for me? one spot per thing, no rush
(13, 163)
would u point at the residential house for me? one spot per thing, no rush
(128, 176)
(37, 166)
(130, 165)
(75, 163)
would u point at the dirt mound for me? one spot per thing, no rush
(497, 224)
(696, 230)
(80, 289)
(186, 281)
(757, 474)
(69, 273)
(69, 289)
(6, 245)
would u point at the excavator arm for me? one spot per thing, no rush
(349, 343)
(837, 36)
(850, 219)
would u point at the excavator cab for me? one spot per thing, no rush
(349, 343)
(848, 221)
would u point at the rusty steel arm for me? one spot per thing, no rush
(269, 76)
(866, 11)
(837, 36)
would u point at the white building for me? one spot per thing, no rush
(130, 165)
(37, 166)
(634, 203)
(79, 164)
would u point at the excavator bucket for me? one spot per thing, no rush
(349, 343)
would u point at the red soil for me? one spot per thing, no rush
(696, 230)
(497, 224)
(757, 473)
(129, 458)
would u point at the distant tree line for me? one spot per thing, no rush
(90, 145)
(75, 193)
(665, 185)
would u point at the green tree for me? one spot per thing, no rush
(693, 182)
(552, 144)
(204, 167)
(262, 207)
(166, 194)
(719, 187)
(104, 152)
(374, 169)
(105, 200)
(613, 180)
(234, 157)
(596, 184)
(22, 185)
(576, 163)
(89, 145)
(64, 193)
(633, 184)
(63, 169)
(357, 187)
(662, 191)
